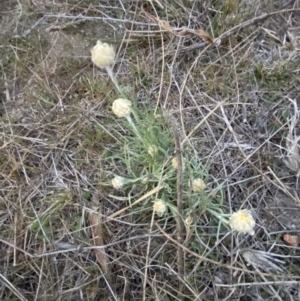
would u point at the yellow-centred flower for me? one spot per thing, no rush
(242, 221)
(103, 54)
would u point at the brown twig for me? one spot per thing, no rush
(247, 158)
(237, 28)
(96, 224)
(228, 266)
(95, 221)
(180, 226)
(145, 196)
(12, 288)
(179, 32)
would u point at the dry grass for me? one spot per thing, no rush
(233, 106)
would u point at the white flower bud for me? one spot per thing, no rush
(160, 207)
(152, 150)
(118, 182)
(145, 180)
(175, 163)
(242, 221)
(188, 221)
(198, 185)
(103, 54)
(122, 107)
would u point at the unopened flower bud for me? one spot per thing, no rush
(198, 185)
(103, 54)
(122, 107)
(188, 221)
(159, 207)
(118, 182)
(175, 163)
(152, 150)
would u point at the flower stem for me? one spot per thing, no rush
(133, 126)
(220, 216)
(111, 75)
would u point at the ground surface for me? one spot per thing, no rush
(232, 106)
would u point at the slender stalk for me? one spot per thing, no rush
(111, 75)
(180, 225)
(129, 119)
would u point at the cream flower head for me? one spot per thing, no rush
(122, 107)
(242, 221)
(103, 54)
(118, 182)
(198, 185)
(159, 207)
